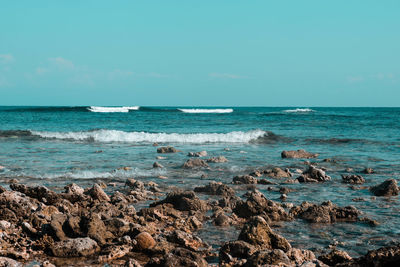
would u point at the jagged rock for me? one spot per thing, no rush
(186, 240)
(167, 149)
(219, 159)
(195, 163)
(278, 173)
(368, 171)
(41, 193)
(275, 257)
(327, 212)
(132, 263)
(7, 262)
(216, 188)
(198, 154)
(298, 154)
(145, 241)
(77, 247)
(157, 165)
(178, 257)
(74, 189)
(387, 188)
(299, 256)
(385, 256)
(257, 204)
(235, 249)
(353, 179)
(96, 229)
(244, 179)
(15, 206)
(184, 201)
(257, 232)
(134, 184)
(313, 175)
(335, 257)
(96, 192)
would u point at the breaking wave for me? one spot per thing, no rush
(112, 109)
(299, 110)
(258, 136)
(201, 110)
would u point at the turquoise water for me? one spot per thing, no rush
(58, 145)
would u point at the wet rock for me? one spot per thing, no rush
(258, 204)
(157, 165)
(274, 257)
(244, 179)
(216, 188)
(77, 247)
(219, 159)
(353, 179)
(368, 171)
(386, 256)
(15, 206)
(313, 175)
(145, 241)
(335, 257)
(264, 181)
(41, 193)
(179, 257)
(56, 225)
(327, 212)
(195, 163)
(198, 154)
(167, 149)
(299, 256)
(183, 201)
(235, 249)
(221, 219)
(278, 173)
(134, 184)
(258, 233)
(7, 262)
(96, 192)
(186, 240)
(387, 188)
(113, 253)
(298, 154)
(74, 189)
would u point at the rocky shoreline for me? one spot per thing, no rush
(100, 225)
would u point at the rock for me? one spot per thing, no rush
(386, 256)
(335, 257)
(353, 179)
(274, 257)
(132, 263)
(183, 201)
(96, 228)
(74, 189)
(219, 159)
(313, 175)
(167, 149)
(77, 247)
(278, 173)
(134, 184)
(221, 220)
(4, 225)
(155, 144)
(41, 193)
(368, 171)
(195, 163)
(157, 165)
(198, 154)
(299, 256)
(96, 192)
(244, 179)
(327, 212)
(7, 262)
(257, 232)
(179, 257)
(387, 188)
(145, 241)
(257, 204)
(236, 249)
(298, 154)
(216, 188)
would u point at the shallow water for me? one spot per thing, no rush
(57, 146)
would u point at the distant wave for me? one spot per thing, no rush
(299, 110)
(145, 137)
(202, 110)
(112, 109)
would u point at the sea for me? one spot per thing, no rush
(55, 146)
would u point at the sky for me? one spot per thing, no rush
(200, 53)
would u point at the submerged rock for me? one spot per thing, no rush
(77, 247)
(157, 165)
(219, 159)
(353, 179)
(387, 188)
(167, 149)
(297, 154)
(244, 179)
(195, 163)
(313, 175)
(278, 173)
(198, 154)
(368, 171)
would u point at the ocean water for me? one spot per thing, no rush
(54, 146)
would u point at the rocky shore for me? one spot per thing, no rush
(102, 225)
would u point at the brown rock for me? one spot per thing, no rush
(353, 179)
(219, 159)
(216, 188)
(145, 241)
(198, 154)
(96, 192)
(278, 173)
(368, 171)
(77, 247)
(313, 175)
(298, 154)
(335, 257)
(275, 257)
(183, 201)
(195, 163)
(167, 149)
(387, 188)
(235, 249)
(244, 179)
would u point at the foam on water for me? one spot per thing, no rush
(145, 137)
(112, 109)
(299, 110)
(199, 110)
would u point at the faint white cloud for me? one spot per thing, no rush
(227, 76)
(41, 71)
(384, 76)
(355, 79)
(117, 73)
(62, 63)
(6, 58)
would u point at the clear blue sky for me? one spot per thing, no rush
(207, 53)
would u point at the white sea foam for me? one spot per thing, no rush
(299, 110)
(201, 110)
(112, 109)
(144, 137)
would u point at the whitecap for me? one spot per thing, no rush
(112, 109)
(299, 110)
(200, 110)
